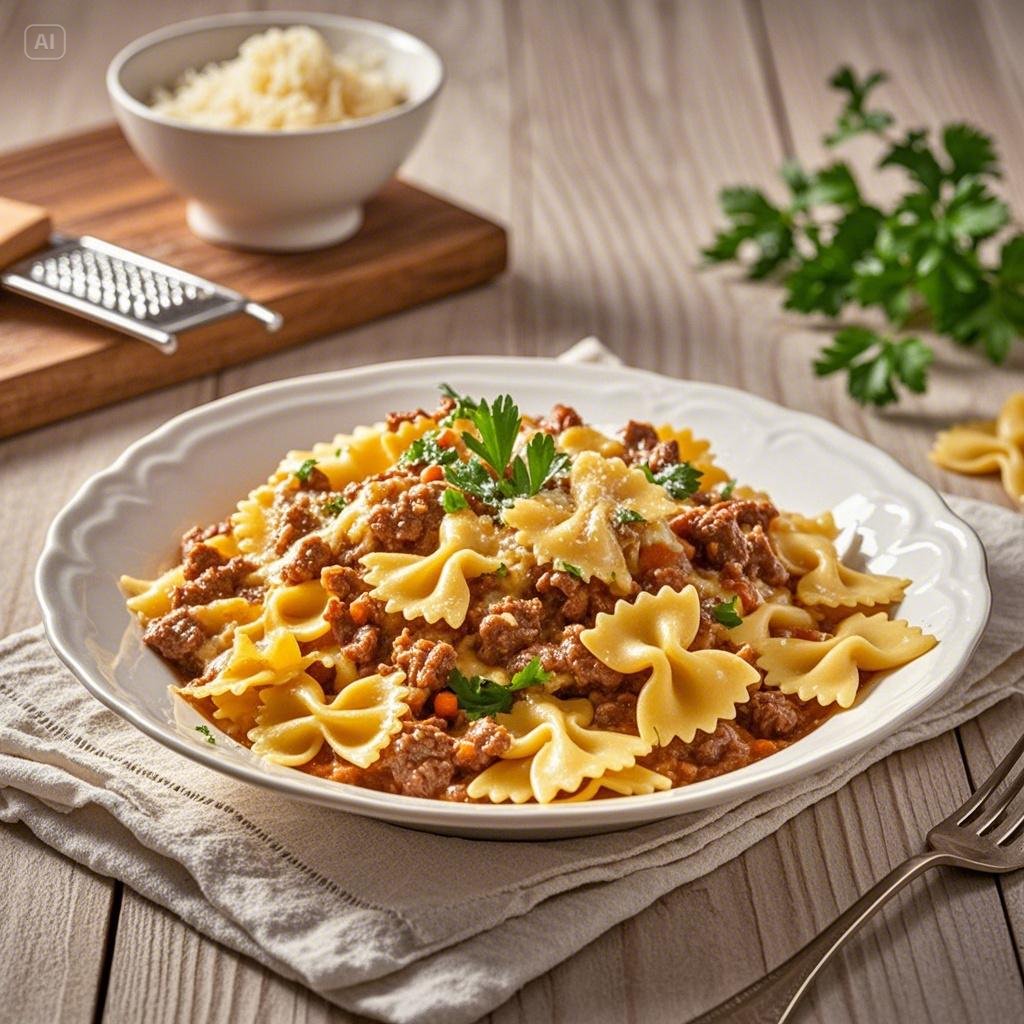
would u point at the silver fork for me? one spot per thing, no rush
(985, 834)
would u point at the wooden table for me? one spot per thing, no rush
(599, 132)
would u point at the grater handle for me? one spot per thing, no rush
(23, 229)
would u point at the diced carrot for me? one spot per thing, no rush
(359, 612)
(446, 704)
(447, 439)
(762, 748)
(657, 556)
(430, 474)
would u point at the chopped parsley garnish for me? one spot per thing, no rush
(680, 480)
(333, 506)
(501, 571)
(479, 696)
(625, 515)
(464, 406)
(205, 730)
(337, 453)
(305, 469)
(572, 570)
(426, 450)
(726, 613)
(727, 488)
(491, 474)
(453, 500)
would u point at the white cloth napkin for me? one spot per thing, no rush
(395, 924)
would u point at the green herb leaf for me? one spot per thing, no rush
(971, 151)
(205, 730)
(726, 614)
(453, 500)
(680, 480)
(333, 506)
(914, 155)
(498, 426)
(542, 463)
(727, 488)
(624, 515)
(875, 364)
(501, 571)
(854, 119)
(756, 221)
(304, 471)
(473, 478)
(464, 405)
(426, 451)
(572, 570)
(479, 696)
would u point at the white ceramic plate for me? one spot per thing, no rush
(193, 469)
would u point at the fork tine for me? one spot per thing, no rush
(985, 790)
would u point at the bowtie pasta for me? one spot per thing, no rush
(476, 605)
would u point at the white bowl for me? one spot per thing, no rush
(282, 191)
(194, 468)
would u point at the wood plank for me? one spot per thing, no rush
(413, 247)
(55, 919)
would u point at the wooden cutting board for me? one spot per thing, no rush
(413, 247)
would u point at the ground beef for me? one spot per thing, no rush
(201, 533)
(198, 558)
(617, 714)
(481, 745)
(341, 581)
(640, 440)
(509, 625)
(177, 636)
(395, 419)
(420, 758)
(316, 480)
(356, 628)
(568, 599)
(299, 519)
(732, 533)
(314, 554)
(675, 576)
(769, 714)
(426, 663)
(213, 583)
(409, 521)
(561, 417)
(724, 743)
(568, 656)
(663, 455)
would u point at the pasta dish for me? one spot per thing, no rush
(473, 604)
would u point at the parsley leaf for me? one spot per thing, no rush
(625, 515)
(680, 480)
(541, 464)
(333, 506)
(453, 500)
(875, 364)
(304, 471)
(767, 228)
(479, 696)
(463, 405)
(473, 478)
(971, 151)
(726, 613)
(501, 571)
(727, 488)
(854, 119)
(572, 570)
(498, 426)
(426, 450)
(205, 730)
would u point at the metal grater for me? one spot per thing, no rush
(119, 288)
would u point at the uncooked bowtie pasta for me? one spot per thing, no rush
(475, 605)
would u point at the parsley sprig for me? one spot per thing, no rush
(427, 451)
(491, 474)
(681, 479)
(920, 260)
(479, 696)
